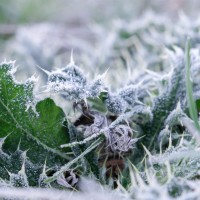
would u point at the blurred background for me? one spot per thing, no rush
(43, 32)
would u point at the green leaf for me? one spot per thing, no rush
(190, 98)
(41, 132)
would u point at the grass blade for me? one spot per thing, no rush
(191, 102)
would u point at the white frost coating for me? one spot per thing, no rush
(5, 62)
(97, 193)
(12, 69)
(33, 79)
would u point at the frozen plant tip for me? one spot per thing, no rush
(71, 83)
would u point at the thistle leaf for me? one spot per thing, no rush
(40, 130)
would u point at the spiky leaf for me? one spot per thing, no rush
(40, 130)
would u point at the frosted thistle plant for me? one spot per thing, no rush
(72, 83)
(143, 123)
